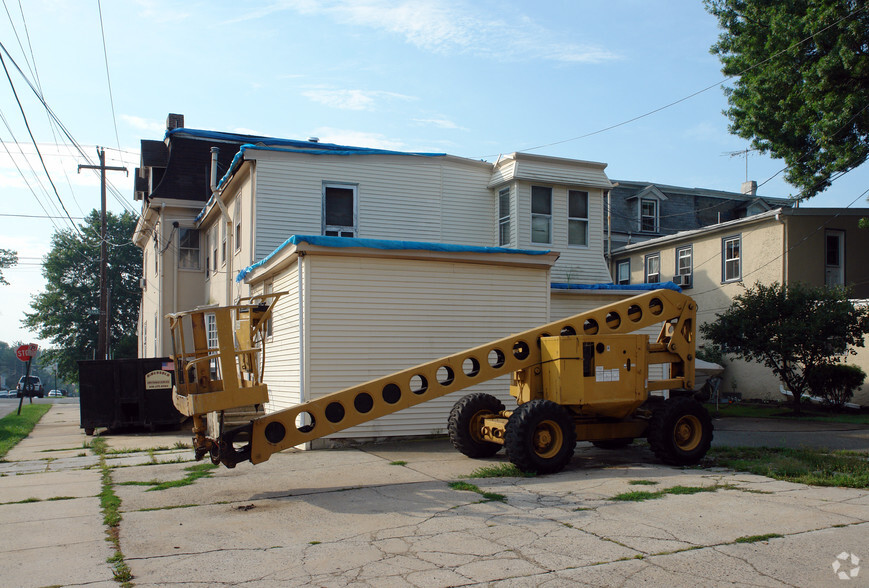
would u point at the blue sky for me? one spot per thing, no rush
(470, 78)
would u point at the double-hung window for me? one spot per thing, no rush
(237, 220)
(577, 218)
(541, 215)
(649, 216)
(339, 210)
(211, 341)
(731, 258)
(653, 268)
(684, 266)
(207, 255)
(188, 249)
(504, 217)
(623, 272)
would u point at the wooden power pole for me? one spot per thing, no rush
(103, 334)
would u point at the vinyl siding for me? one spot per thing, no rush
(574, 173)
(372, 317)
(398, 197)
(283, 352)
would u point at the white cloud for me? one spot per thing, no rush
(357, 138)
(352, 99)
(144, 124)
(442, 122)
(449, 27)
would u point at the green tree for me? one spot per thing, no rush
(802, 89)
(7, 259)
(791, 329)
(67, 312)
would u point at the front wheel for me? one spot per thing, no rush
(465, 424)
(680, 431)
(540, 437)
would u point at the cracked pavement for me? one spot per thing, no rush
(355, 517)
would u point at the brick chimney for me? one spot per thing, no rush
(748, 188)
(174, 121)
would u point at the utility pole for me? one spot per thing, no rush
(102, 337)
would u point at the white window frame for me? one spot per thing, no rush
(834, 273)
(626, 264)
(237, 225)
(725, 260)
(211, 342)
(541, 217)
(504, 234)
(656, 257)
(680, 256)
(214, 248)
(207, 254)
(655, 216)
(577, 220)
(341, 229)
(181, 248)
(269, 288)
(222, 224)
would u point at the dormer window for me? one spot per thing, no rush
(648, 215)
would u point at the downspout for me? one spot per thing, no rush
(778, 217)
(225, 214)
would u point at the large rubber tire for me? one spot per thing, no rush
(540, 437)
(464, 424)
(613, 443)
(680, 431)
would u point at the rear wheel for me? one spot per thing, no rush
(680, 431)
(540, 437)
(465, 424)
(613, 443)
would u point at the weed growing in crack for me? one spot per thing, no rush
(487, 496)
(195, 472)
(398, 463)
(640, 495)
(756, 538)
(642, 482)
(502, 470)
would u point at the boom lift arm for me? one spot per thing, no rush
(527, 355)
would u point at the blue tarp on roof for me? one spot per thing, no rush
(639, 287)
(323, 241)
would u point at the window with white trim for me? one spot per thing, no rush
(577, 218)
(649, 215)
(222, 242)
(504, 217)
(653, 268)
(214, 246)
(211, 341)
(268, 288)
(623, 272)
(207, 254)
(541, 215)
(685, 266)
(339, 210)
(237, 219)
(731, 258)
(188, 249)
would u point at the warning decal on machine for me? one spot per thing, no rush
(604, 375)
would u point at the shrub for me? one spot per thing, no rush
(835, 383)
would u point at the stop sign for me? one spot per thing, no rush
(26, 352)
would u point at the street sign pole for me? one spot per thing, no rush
(26, 353)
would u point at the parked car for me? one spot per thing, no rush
(30, 385)
(55, 394)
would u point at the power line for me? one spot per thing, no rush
(108, 77)
(692, 95)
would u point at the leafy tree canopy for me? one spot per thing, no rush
(67, 312)
(791, 329)
(7, 259)
(802, 92)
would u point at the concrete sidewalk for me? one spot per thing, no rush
(384, 515)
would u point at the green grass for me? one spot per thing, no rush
(784, 411)
(15, 427)
(202, 470)
(167, 507)
(641, 495)
(487, 496)
(502, 470)
(756, 538)
(817, 467)
(642, 483)
(398, 463)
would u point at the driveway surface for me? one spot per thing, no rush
(386, 515)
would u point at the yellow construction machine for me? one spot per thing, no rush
(585, 378)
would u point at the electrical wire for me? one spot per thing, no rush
(108, 77)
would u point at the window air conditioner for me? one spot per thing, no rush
(682, 280)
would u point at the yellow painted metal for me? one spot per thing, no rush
(598, 375)
(214, 378)
(494, 429)
(358, 404)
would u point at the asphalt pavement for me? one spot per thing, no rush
(386, 515)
